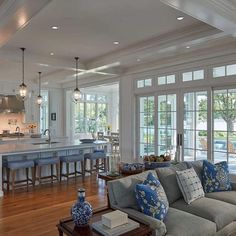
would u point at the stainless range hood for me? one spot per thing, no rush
(11, 104)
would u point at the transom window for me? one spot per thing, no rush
(166, 79)
(144, 83)
(193, 75)
(222, 71)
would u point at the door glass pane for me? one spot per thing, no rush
(224, 117)
(189, 154)
(166, 135)
(195, 125)
(162, 103)
(146, 125)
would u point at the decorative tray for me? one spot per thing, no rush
(86, 140)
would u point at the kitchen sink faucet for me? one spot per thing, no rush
(49, 135)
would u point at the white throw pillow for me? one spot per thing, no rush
(190, 185)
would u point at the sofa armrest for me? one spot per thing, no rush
(233, 184)
(159, 228)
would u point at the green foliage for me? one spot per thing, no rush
(224, 108)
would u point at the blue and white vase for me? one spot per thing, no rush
(81, 211)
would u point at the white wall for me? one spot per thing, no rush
(56, 105)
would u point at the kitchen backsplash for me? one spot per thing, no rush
(9, 122)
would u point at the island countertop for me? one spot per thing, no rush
(42, 146)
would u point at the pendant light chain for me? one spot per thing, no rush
(76, 81)
(23, 87)
(40, 83)
(76, 94)
(23, 65)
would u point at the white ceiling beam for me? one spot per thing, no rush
(218, 13)
(16, 14)
(198, 32)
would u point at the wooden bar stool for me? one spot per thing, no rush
(39, 163)
(96, 156)
(13, 166)
(75, 158)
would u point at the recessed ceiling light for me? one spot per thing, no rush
(51, 53)
(116, 42)
(180, 18)
(138, 59)
(187, 47)
(55, 27)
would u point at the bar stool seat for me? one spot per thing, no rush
(72, 158)
(96, 156)
(20, 164)
(47, 161)
(12, 166)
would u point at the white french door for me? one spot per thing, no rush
(166, 123)
(194, 125)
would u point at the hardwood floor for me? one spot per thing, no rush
(38, 211)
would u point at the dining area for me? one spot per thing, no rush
(112, 137)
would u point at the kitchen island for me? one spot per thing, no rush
(40, 147)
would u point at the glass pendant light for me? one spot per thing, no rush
(76, 93)
(39, 98)
(23, 87)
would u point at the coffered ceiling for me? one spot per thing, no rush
(146, 31)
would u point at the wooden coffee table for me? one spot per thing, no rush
(67, 227)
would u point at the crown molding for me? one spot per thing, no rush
(200, 57)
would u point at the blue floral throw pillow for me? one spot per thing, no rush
(151, 198)
(215, 178)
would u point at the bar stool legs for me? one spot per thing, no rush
(75, 158)
(12, 167)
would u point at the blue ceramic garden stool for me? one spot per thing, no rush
(75, 158)
(13, 166)
(96, 156)
(39, 163)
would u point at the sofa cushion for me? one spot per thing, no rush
(150, 202)
(226, 196)
(167, 177)
(180, 223)
(121, 191)
(215, 178)
(197, 166)
(190, 185)
(153, 181)
(222, 213)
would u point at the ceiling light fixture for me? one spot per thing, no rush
(76, 94)
(180, 18)
(55, 27)
(116, 42)
(138, 60)
(187, 47)
(39, 98)
(23, 87)
(51, 53)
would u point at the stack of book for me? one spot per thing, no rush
(115, 223)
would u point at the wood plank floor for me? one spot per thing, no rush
(38, 211)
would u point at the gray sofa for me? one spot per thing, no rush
(215, 214)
